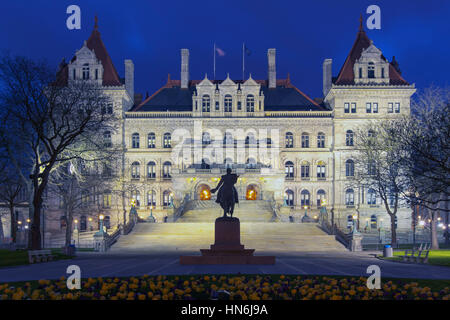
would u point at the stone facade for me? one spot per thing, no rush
(306, 161)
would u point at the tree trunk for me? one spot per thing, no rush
(36, 224)
(434, 238)
(2, 234)
(69, 221)
(13, 224)
(393, 231)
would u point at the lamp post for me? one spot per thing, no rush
(355, 225)
(90, 223)
(77, 232)
(101, 217)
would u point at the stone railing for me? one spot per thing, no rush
(178, 212)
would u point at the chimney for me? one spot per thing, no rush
(129, 77)
(326, 69)
(184, 68)
(272, 68)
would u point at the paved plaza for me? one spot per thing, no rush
(156, 263)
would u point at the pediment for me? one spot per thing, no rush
(85, 53)
(250, 82)
(228, 82)
(205, 82)
(371, 53)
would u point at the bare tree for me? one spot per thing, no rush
(377, 167)
(47, 123)
(425, 137)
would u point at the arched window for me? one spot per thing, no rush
(205, 164)
(289, 169)
(83, 223)
(289, 196)
(305, 197)
(206, 138)
(107, 139)
(305, 140)
(371, 197)
(289, 140)
(135, 140)
(206, 103)
(250, 103)
(305, 170)
(107, 222)
(321, 140)
(251, 163)
(228, 138)
(151, 170)
(250, 139)
(85, 198)
(320, 170)
(349, 168)
(228, 103)
(373, 222)
(135, 170)
(136, 196)
(321, 198)
(349, 197)
(86, 71)
(107, 199)
(151, 140)
(349, 138)
(228, 162)
(167, 141)
(166, 170)
(349, 222)
(371, 70)
(151, 198)
(371, 168)
(167, 198)
(62, 222)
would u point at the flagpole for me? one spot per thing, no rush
(214, 61)
(243, 61)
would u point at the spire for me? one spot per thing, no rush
(361, 29)
(96, 23)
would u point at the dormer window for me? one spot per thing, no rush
(205, 103)
(228, 103)
(360, 73)
(250, 103)
(85, 71)
(382, 72)
(371, 70)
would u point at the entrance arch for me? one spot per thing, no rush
(253, 192)
(204, 192)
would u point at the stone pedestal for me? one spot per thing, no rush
(355, 242)
(227, 248)
(100, 242)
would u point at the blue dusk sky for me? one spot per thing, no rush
(151, 33)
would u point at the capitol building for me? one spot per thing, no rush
(293, 153)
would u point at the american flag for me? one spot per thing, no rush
(220, 52)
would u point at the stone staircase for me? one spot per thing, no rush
(192, 236)
(245, 210)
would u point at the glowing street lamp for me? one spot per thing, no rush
(355, 228)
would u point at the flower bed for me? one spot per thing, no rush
(240, 287)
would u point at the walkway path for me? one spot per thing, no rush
(155, 263)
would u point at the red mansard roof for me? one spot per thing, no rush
(95, 43)
(346, 75)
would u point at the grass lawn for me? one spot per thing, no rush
(20, 257)
(435, 257)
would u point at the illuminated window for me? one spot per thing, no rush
(151, 138)
(167, 140)
(305, 197)
(289, 140)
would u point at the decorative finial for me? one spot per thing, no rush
(168, 77)
(96, 22)
(288, 78)
(361, 23)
